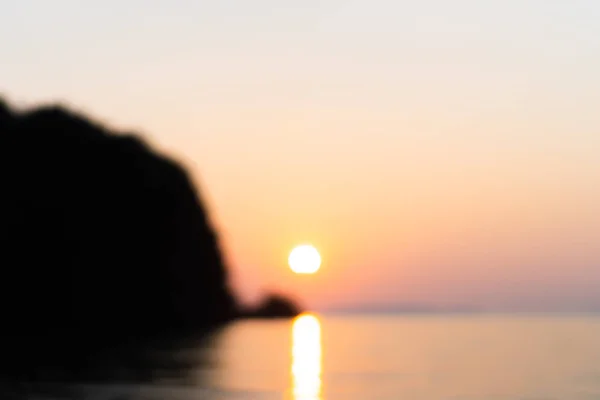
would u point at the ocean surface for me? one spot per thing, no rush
(415, 357)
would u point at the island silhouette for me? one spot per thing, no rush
(272, 306)
(104, 244)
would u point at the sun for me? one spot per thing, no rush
(304, 259)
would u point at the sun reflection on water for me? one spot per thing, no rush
(306, 358)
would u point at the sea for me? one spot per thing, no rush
(370, 357)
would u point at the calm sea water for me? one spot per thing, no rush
(391, 357)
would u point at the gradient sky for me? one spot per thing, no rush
(436, 152)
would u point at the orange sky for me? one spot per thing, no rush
(434, 154)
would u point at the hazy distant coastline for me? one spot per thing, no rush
(427, 310)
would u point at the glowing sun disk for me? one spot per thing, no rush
(304, 259)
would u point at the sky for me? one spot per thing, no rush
(436, 153)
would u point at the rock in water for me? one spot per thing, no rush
(273, 306)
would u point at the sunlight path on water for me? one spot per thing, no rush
(306, 358)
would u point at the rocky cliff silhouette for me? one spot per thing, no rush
(103, 241)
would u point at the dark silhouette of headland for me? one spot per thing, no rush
(104, 244)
